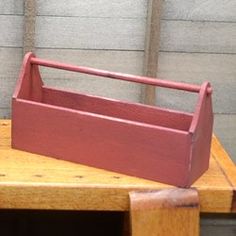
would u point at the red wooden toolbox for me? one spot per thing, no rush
(165, 145)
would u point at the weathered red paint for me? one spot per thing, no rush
(159, 144)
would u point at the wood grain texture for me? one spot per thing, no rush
(224, 161)
(12, 26)
(201, 10)
(93, 8)
(218, 69)
(151, 50)
(228, 168)
(11, 7)
(165, 212)
(45, 183)
(225, 130)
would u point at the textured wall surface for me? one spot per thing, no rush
(198, 42)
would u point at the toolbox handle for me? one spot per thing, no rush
(120, 76)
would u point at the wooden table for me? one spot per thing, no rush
(30, 181)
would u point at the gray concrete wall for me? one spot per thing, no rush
(194, 48)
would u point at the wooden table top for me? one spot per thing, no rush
(30, 181)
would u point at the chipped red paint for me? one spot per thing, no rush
(159, 144)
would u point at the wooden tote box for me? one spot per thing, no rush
(159, 144)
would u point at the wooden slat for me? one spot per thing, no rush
(29, 25)
(227, 166)
(151, 49)
(165, 212)
(93, 8)
(11, 7)
(46, 183)
(12, 26)
(225, 130)
(201, 10)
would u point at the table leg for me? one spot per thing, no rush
(166, 212)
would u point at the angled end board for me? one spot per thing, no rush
(150, 142)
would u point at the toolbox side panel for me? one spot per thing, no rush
(114, 144)
(114, 108)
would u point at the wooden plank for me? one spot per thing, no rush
(165, 212)
(201, 10)
(128, 34)
(219, 69)
(45, 183)
(29, 26)
(114, 141)
(12, 26)
(227, 166)
(122, 110)
(151, 49)
(225, 130)
(93, 8)
(188, 36)
(11, 7)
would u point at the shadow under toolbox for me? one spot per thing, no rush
(159, 144)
